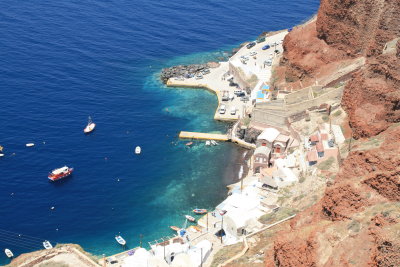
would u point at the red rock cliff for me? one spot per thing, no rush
(358, 27)
(356, 223)
(344, 29)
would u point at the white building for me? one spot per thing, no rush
(242, 212)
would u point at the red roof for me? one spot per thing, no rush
(320, 147)
(324, 136)
(312, 155)
(314, 138)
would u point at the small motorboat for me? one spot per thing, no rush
(200, 211)
(1, 155)
(175, 228)
(138, 150)
(190, 218)
(214, 143)
(47, 245)
(208, 143)
(90, 126)
(120, 240)
(9, 253)
(30, 145)
(60, 173)
(189, 144)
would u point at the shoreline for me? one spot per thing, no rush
(243, 157)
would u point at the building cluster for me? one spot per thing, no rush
(322, 144)
(272, 159)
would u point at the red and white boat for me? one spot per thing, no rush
(90, 126)
(200, 211)
(60, 173)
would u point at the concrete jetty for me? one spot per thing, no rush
(203, 136)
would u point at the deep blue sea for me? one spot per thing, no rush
(61, 61)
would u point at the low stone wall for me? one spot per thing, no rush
(269, 118)
(332, 95)
(299, 96)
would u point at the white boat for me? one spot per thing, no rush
(208, 143)
(29, 144)
(120, 240)
(1, 155)
(47, 245)
(90, 126)
(8, 253)
(190, 218)
(214, 143)
(138, 150)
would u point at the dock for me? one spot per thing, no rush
(203, 136)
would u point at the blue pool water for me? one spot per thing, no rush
(61, 61)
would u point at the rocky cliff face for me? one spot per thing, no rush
(357, 221)
(372, 97)
(343, 30)
(358, 27)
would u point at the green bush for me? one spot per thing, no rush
(327, 164)
(354, 226)
(337, 113)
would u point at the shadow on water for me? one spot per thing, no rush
(62, 182)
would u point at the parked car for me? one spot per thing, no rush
(233, 110)
(225, 97)
(250, 45)
(233, 84)
(260, 40)
(222, 109)
(239, 93)
(199, 76)
(268, 62)
(253, 53)
(265, 47)
(205, 71)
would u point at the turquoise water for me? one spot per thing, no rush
(64, 61)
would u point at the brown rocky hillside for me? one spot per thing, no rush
(343, 30)
(357, 221)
